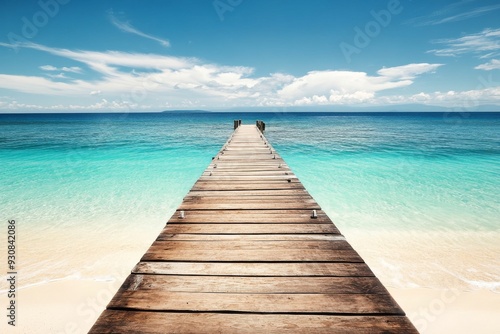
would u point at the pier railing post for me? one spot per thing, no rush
(237, 122)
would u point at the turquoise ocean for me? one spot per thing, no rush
(83, 187)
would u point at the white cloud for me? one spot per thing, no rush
(135, 81)
(102, 105)
(103, 61)
(451, 99)
(48, 68)
(484, 42)
(348, 86)
(487, 56)
(127, 27)
(323, 82)
(37, 85)
(73, 69)
(409, 71)
(420, 97)
(466, 99)
(445, 14)
(493, 64)
(58, 76)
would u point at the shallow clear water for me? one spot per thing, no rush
(109, 174)
(423, 172)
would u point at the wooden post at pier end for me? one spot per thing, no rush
(237, 123)
(261, 126)
(249, 250)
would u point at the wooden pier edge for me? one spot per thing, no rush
(250, 251)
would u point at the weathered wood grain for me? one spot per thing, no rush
(251, 255)
(249, 205)
(251, 244)
(263, 199)
(234, 193)
(161, 300)
(250, 228)
(300, 269)
(254, 285)
(250, 216)
(254, 237)
(134, 322)
(276, 185)
(268, 173)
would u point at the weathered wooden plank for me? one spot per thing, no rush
(262, 178)
(233, 146)
(237, 142)
(271, 164)
(253, 219)
(236, 171)
(253, 157)
(251, 228)
(242, 150)
(270, 180)
(254, 285)
(245, 237)
(251, 216)
(263, 212)
(248, 205)
(234, 193)
(268, 183)
(220, 173)
(193, 197)
(246, 185)
(236, 198)
(252, 255)
(244, 155)
(302, 269)
(270, 160)
(250, 152)
(161, 300)
(245, 168)
(253, 151)
(248, 229)
(223, 167)
(294, 199)
(305, 213)
(134, 322)
(169, 244)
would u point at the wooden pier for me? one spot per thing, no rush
(250, 251)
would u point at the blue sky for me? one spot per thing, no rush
(153, 55)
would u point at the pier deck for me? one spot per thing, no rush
(247, 257)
